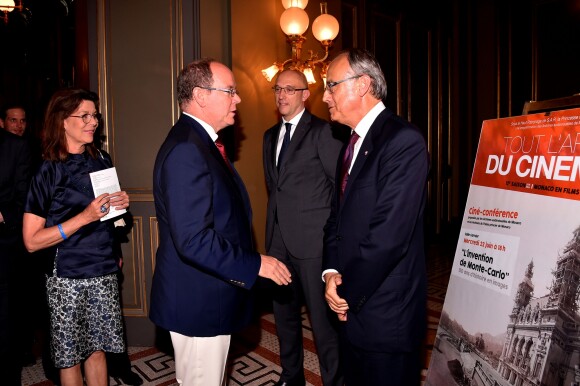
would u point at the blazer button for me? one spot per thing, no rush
(278, 189)
(338, 238)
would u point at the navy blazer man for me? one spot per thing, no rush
(205, 263)
(374, 253)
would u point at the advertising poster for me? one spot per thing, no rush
(511, 313)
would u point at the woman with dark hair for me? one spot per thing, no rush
(61, 213)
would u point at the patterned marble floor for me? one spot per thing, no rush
(255, 361)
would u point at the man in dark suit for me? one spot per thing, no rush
(374, 262)
(15, 169)
(205, 262)
(300, 155)
(29, 278)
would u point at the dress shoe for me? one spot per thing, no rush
(131, 378)
(290, 383)
(28, 359)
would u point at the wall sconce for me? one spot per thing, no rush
(294, 22)
(9, 6)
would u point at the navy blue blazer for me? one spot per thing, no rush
(374, 238)
(205, 263)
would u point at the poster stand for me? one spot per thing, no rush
(511, 312)
(532, 107)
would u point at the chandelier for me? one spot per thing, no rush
(294, 22)
(9, 6)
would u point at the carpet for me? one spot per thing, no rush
(254, 354)
(254, 360)
(250, 363)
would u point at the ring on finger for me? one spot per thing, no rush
(103, 208)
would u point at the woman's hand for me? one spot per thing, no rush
(119, 200)
(101, 205)
(98, 208)
(37, 237)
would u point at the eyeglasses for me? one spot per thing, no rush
(87, 117)
(288, 90)
(330, 85)
(231, 91)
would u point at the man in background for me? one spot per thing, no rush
(205, 263)
(374, 257)
(13, 119)
(300, 156)
(15, 169)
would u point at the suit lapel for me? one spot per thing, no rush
(366, 149)
(232, 178)
(301, 129)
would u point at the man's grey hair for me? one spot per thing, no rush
(363, 62)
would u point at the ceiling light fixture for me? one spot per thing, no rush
(294, 22)
(9, 6)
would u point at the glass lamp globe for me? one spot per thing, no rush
(7, 5)
(294, 21)
(309, 75)
(270, 71)
(294, 3)
(325, 27)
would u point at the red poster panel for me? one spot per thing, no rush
(511, 311)
(537, 154)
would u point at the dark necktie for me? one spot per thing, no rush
(285, 143)
(222, 149)
(346, 161)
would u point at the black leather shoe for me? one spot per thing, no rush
(290, 383)
(28, 359)
(131, 378)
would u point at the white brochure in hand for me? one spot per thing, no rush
(106, 181)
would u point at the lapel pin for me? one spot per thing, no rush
(366, 152)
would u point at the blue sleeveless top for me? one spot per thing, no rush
(60, 191)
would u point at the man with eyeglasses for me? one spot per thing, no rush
(374, 261)
(205, 263)
(300, 154)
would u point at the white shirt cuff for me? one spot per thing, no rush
(327, 271)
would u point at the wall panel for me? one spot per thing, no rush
(141, 47)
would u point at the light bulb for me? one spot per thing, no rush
(270, 71)
(294, 3)
(325, 27)
(309, 75)
(7, 5)
(294, 21)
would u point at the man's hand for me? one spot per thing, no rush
(274, 269)
(335, 302)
